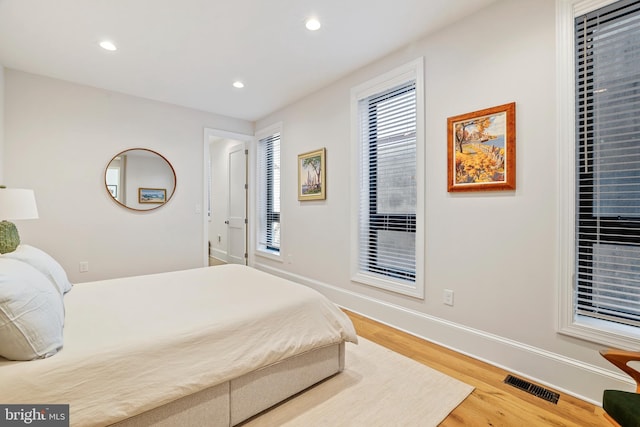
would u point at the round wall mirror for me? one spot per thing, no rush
(140, 179)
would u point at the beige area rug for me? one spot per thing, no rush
(377, 388)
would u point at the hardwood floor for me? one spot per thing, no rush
(215, 261)
(492, 403)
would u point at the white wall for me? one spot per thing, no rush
(497, 251)
(1, 123)
(59, 138)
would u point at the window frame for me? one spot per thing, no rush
(569, 322)
(394, 78)
(264, 250)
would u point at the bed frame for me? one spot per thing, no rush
(237, 400)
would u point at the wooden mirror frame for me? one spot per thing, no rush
(146, 193)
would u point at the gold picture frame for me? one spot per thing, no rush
(152, 195)
(481, 150)
(311, 175)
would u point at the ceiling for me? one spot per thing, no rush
(189, 52)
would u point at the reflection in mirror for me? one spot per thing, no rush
(140, 179)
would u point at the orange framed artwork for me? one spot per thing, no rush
(481, 150)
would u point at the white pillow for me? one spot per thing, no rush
(31, 313)
(44, 263)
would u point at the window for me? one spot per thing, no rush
(604, 300)
(389, 211)
(268, 193)
(608, 163)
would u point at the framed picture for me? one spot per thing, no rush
(311, 174)
(152, 195)
(482, 150)
(113, 189)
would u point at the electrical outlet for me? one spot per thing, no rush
(84, 266)
(447, 297)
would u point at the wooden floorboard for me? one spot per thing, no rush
(492, 403)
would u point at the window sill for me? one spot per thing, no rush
(604, 332)
(405, 288)
(272, 255)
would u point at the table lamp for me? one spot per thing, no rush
(15, 203)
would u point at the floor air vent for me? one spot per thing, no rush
(537, 391)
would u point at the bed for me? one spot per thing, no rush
(210, 346)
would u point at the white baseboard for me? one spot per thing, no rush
(564, 374)
(218, 253)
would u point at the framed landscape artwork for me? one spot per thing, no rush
(152, 195)
(311, 175)
(481, 150)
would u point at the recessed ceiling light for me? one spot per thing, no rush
(312, 24)
(107, 45)
(238, 84)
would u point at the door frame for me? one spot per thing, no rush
(209, 135)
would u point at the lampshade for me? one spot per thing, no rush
(17, 203)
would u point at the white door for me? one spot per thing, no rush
(236, 219)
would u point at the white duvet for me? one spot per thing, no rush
(135, 343)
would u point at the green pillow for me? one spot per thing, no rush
(9, 237)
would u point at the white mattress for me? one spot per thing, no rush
(132, 344)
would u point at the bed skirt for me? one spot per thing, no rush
(239, 399)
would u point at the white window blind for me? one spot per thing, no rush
(387, 175)
(607, 272)
(268, 196)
